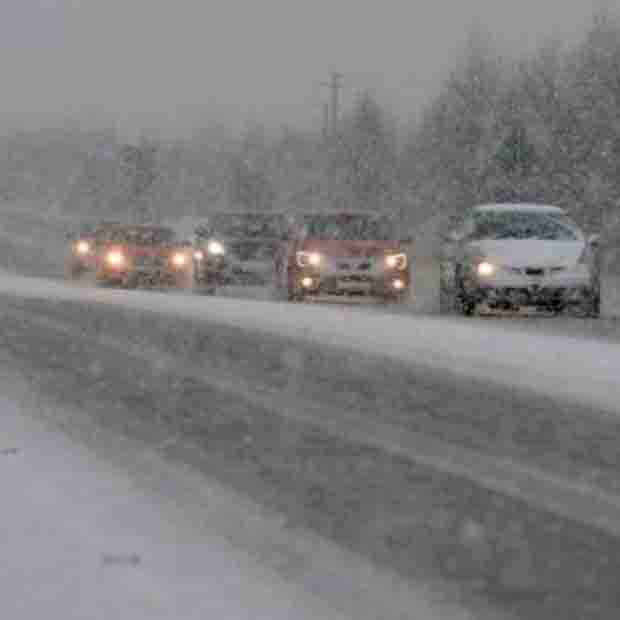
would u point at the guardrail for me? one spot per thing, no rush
(514, 517)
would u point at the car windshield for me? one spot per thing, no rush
(350, 228)
(144, 236)
(104, 231)
(247, 225)
(496, 225)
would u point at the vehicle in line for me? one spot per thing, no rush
(236, 249)
(346, 253)
(144, 256)
(510, 257)
(84, 245)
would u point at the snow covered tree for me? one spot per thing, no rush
(140, 170)
(366, 158)
(249, 185)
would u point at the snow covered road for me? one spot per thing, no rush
(561, 367)
(225, 385)
(80, 542)
(108, 529)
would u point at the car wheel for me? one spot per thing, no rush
(393, 300)
(132, 281)
(184, 281)
(73, 271)
(293, 291)
(588, 308)
(105, 282)
(465, 304)
(467, 307)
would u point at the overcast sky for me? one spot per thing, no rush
(147, 63)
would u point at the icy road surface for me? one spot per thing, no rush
(80, 542)
(577, 369)
(106, 528)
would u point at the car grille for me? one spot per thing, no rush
(149, 261)
(354, 266)
(355, 278)
(536, 271)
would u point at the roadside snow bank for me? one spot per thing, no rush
(578, 370)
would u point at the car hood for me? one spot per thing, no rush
(350, 249)
(528, 252)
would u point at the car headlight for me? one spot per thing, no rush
(199, 255)
(216, 248)
(485, 269)
(82, 247)
(115, 258)
(179, 260)
(308, 259)
(396, 261)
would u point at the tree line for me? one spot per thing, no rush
(542, 127)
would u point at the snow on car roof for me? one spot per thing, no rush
(520, 207)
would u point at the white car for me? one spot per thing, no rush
(513, 256)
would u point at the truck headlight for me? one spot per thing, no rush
(308, 259)
(396, 261)
(115, 258)
(485, 269)
(216, 248)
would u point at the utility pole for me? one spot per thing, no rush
(331, 115)
(335, 84)
(325, 121)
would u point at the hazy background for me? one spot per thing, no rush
(178, 63)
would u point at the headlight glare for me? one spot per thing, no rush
(308, 259)
(485, 269)
(216, 248)
(396, 261)
(179, 260)
(115, 258)
(199, 255)
(83, 247)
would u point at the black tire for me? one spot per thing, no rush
(106, 283)
(465, 304)
(296, 295)
(132, 281)
(589, 308)
(393, 300)
(73, 271)
(184, 281)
